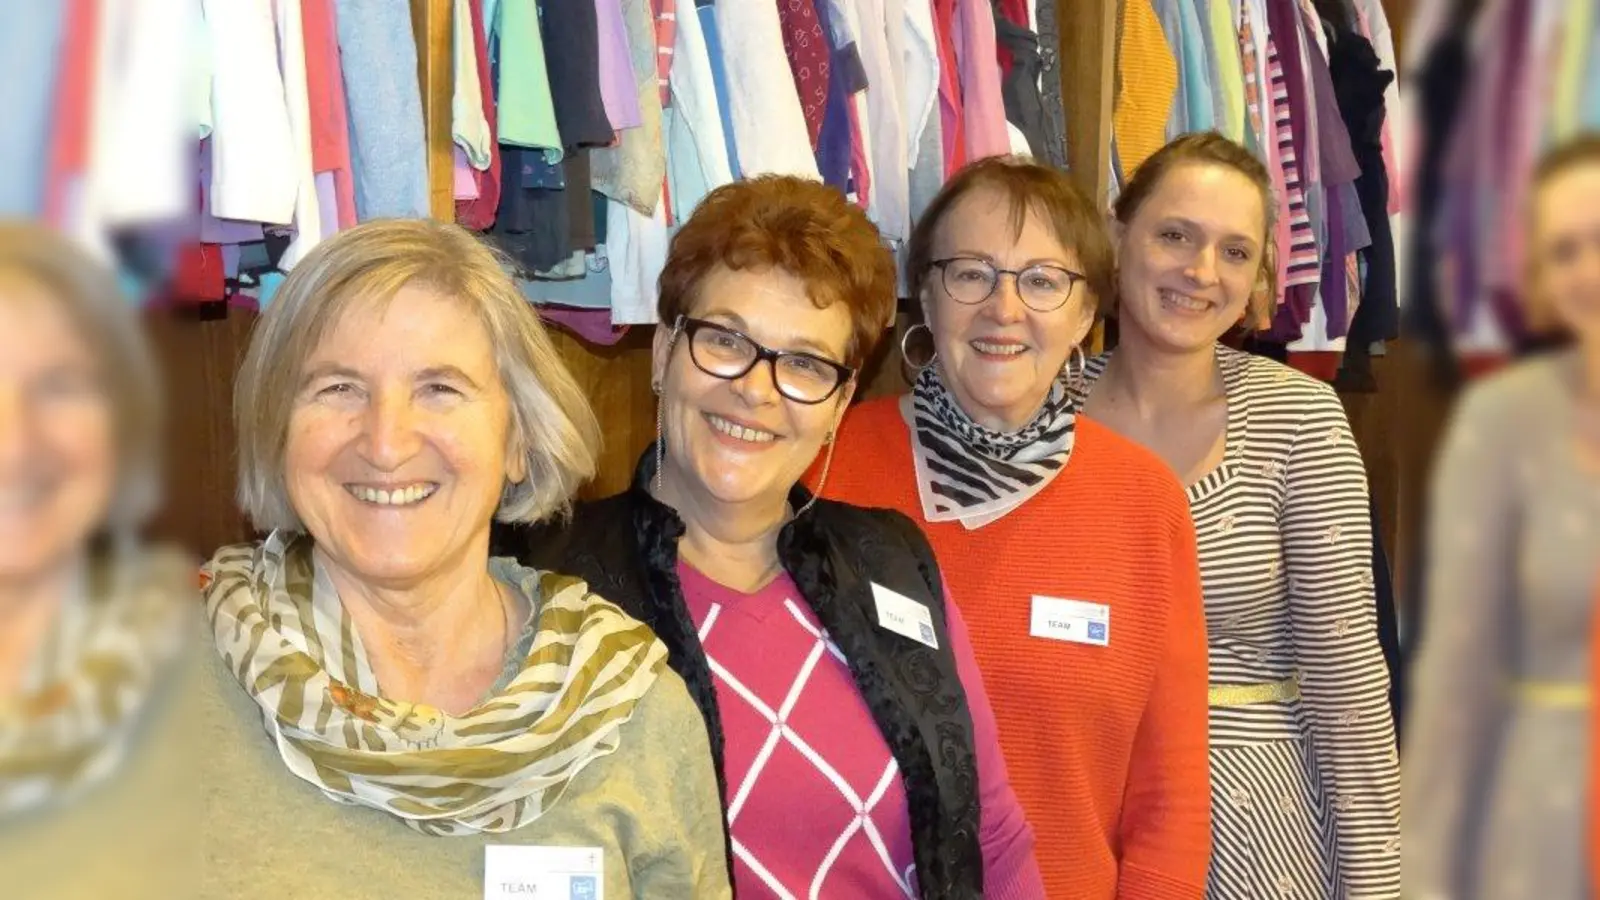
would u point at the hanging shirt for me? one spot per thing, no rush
(984, 122)
(469, 127)
(634, 168)
(1147, 81)
(810, 60)
(479, 212)
(253, 176)
(712, 33)
(527, 110)
(292, 55)
(388, 144)
(1193, 105)
(1227, 69)
(616, 72)
(572, 57)
(769, 125)
(952, 112)
(31, 37)
(697, 148)
(890, 206)
(330, 119)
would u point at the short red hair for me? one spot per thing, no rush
(801, 227)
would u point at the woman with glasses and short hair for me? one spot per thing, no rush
(1068, 548)
(851, 734)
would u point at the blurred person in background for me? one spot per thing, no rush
(93, 772)
(1305, 777)
(1498, 729)
(1068, 548)
(850, 724)
(389, 710)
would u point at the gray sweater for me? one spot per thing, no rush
(652, 807)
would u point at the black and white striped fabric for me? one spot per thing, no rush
(976, 475)
(1305, 793)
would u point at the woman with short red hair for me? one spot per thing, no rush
(856, 750)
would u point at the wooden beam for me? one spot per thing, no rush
(432, 24)
(1088, 74)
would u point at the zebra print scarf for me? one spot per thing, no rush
(972, 474)
(284, 634)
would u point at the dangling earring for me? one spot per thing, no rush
(1076, 372)
(905, 355)
(661, 417)
(827, 463)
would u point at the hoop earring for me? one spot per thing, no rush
(1076, 373)
(905, 357)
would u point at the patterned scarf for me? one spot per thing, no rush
(975, 475)
(89, 685)
(282, 631)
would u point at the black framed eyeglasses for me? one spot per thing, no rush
(1043, 288)
(722, 352)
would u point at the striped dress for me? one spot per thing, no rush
(1305, 793)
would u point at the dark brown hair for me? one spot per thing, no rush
(804, 228)
(1208, 148)
(1025, 186)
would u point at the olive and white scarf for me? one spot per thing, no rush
(975, 475)
(283, 632)
(86, 691)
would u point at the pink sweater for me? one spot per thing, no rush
(815, 797)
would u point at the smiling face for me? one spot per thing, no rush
(1190, 257)
(57, 446)
(999, 357)
(738, 441)
(399, 441)
(1565, 249)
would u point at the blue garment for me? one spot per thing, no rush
(833, 141)
(30, 44)
(719, 78)
(388, 144)
(1590, 113)
(1194, 106)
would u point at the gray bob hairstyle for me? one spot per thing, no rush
(552, 426)
(107, 322)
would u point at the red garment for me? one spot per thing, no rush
(199, 276)
(809, 58)
(69, 144)
(1106, 745)
(952, 119)
(860, 165)
(479, 214)
(330, 120)
(1015, 11)
(666, 13)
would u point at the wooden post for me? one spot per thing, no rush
(432, 24)
(1087, 57)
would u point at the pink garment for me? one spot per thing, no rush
(592, 325)
(617, 91)
(979, 60)
(951, 116)
(466, 183)
(816, 799)
(330, 118)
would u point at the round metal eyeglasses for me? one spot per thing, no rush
(1043, 288)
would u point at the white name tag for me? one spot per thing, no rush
(542, 873)
(1071, 620)
(904, 616)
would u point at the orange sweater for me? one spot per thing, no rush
(1106, 746)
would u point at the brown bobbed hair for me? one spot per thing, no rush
(803, 228)
(1208, 148)
(1024, 186)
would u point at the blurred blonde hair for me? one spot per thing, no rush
(107, 321)
(553, 426)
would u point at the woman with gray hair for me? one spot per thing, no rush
(90, 621)
(480, 728)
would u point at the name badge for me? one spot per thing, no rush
(1071, 620)
(904, 616)
(542, 873)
